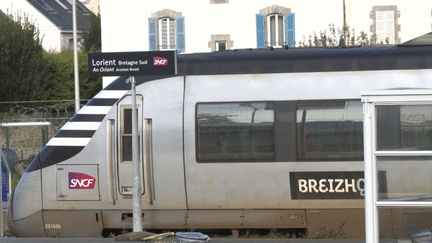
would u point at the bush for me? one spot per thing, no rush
(22, 66)
(61, 85)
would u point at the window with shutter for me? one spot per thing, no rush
(167, 31)
(275, 26)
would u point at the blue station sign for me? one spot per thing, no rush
(132, 63)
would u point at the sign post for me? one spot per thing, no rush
(136, 178)
(133, 64)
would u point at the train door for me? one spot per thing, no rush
(124, 145)
(160, 113)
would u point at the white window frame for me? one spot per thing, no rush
(385, 26)
(381, 27)
(168, 39)
(278, 43)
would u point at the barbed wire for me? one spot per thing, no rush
(57, 112)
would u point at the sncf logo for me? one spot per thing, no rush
(81, 181)
(160, 61)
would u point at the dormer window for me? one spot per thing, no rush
(79, 8)
(45, 6)
(63, 6)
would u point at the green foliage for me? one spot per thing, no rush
(332, 38)
(328, 233)
(272, 233)
(61, 84)
(15, 179)
(27, 73)
(57, 235)
(22, 66)
(92, 38)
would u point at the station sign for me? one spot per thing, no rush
(132, 63)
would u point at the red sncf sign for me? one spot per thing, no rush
(160, 61)
(81, 181)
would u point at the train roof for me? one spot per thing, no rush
(296, 60)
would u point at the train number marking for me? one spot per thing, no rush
(52, 226)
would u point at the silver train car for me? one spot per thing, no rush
(241, 139)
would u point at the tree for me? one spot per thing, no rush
(22, 66)
(92, 38)
(338, 37)
(61, 76)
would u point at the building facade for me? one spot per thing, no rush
(391, 21)
(53, 18)
(217, 25)
(211, 25)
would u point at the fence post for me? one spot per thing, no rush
(44, 130)
(7, 142)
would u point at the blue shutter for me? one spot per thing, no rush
(260, 31)
(180, 34)
(290, 29)
(152, 35)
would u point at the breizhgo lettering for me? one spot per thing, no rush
(331, 186)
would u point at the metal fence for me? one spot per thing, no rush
(28, 141)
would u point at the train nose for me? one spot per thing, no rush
(24, 215)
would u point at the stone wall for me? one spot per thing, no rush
(26, 141)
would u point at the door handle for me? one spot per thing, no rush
(110, 155)
(147, 161)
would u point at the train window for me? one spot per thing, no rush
(407, 127)
(235, 132)
(127, 134)
(330, 130)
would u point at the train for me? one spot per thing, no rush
(241, 139)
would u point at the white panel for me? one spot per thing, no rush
(81, 126)
(66, 191)
(94, 110)
(110, 94)
(68, 142)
